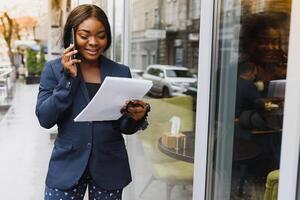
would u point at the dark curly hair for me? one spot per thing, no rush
(255, 24)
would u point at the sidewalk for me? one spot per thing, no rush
(25, 148)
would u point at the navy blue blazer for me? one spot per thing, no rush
(98, 146)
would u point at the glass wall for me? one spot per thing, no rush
(164, 48)
(247, 98)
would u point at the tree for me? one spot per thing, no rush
(7, 31)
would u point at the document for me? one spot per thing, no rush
(111, 97)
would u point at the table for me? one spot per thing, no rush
(184, 154)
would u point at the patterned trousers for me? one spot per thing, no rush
(77, 192)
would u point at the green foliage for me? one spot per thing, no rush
(41, 60)
(31, 62)
(35, 61)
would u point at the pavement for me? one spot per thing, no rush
(25, 148)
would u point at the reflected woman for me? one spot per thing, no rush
(262, 43)
(85, 154)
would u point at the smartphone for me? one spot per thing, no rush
(73, 41)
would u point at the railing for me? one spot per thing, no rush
(6, 82)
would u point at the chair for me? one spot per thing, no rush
(165, 169)
(272, 185)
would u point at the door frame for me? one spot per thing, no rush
(203, 99)
(291, 128)
(290, 147)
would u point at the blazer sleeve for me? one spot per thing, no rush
(54, 96)
(129, 126)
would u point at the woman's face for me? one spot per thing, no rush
(267, 47)
(91, 39)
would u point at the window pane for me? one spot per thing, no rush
(165, 37)
(114, 11)
(250, 64)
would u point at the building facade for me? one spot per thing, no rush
(165, 32)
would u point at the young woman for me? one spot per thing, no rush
(85, 154)
(262, 42)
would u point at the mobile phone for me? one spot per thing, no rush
(73, 41)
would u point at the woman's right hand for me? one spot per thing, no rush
(68, 63)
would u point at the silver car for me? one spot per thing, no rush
(136, 73)
(168, 80)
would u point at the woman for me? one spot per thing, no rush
(247, 94)
(85, 154)
(262, 42)
(262, 47)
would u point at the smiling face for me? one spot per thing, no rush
(91, 39)
(267, 47)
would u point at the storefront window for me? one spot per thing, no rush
(114, 10)
(164, 37)
(249, 72)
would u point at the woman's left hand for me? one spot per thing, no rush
(135, 109)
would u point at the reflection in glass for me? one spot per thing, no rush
(247, 111)
(114, 10)
(164, 45)
(179, 73)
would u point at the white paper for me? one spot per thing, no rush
(111, 96)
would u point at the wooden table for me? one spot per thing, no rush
(184, 154)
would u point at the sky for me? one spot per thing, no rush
(19, 8)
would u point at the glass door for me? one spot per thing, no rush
(163, 48)
(246, 87)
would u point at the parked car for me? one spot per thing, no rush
(136, 73)
(192, 89)
(168, 80)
